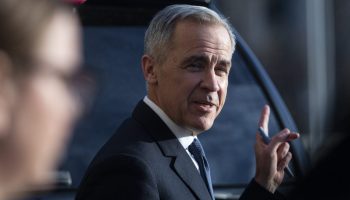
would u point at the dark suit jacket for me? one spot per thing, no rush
(144, 160)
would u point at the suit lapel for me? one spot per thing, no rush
(171, 147)
(184, 167)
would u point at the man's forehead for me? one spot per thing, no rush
(194, 36)
(190, 27)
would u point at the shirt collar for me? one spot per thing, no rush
(184, 136)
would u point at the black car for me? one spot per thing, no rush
(113, 43)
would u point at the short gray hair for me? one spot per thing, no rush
(159, 33)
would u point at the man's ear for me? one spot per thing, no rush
(6, 92)
(149, 70)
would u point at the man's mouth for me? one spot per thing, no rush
(206, 103)
(205, 106)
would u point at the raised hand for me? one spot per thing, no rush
(272, 158)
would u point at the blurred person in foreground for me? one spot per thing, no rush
(40, 50)
(329, 176)
(155, 154)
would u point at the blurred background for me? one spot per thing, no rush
(303, 45)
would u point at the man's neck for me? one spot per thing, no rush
(175, 128)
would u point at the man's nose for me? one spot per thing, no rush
(210, 81)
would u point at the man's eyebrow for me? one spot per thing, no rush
(196, 58)
(205, 59)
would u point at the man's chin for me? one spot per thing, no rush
(200, 127)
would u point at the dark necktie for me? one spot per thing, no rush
(198, 153)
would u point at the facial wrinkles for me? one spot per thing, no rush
(199, 94)
(209, 48)
(212, 54)
(213, 50)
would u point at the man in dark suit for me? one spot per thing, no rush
(155, 154)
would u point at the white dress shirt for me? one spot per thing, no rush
(184, 136)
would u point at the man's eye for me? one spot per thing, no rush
(221, 71)
(194, 67)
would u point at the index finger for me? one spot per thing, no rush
(264, 118)
(284, 136)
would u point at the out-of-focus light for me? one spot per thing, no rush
(75, 2)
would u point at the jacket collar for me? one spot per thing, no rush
(171, 147)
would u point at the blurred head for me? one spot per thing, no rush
(186, 64)
(39, 53)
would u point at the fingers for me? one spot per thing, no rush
(264, 118)
(282, 150)
(283, 163)
(284, 136)
(281, 145)
(292, 136)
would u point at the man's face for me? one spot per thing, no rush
(192, 82)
